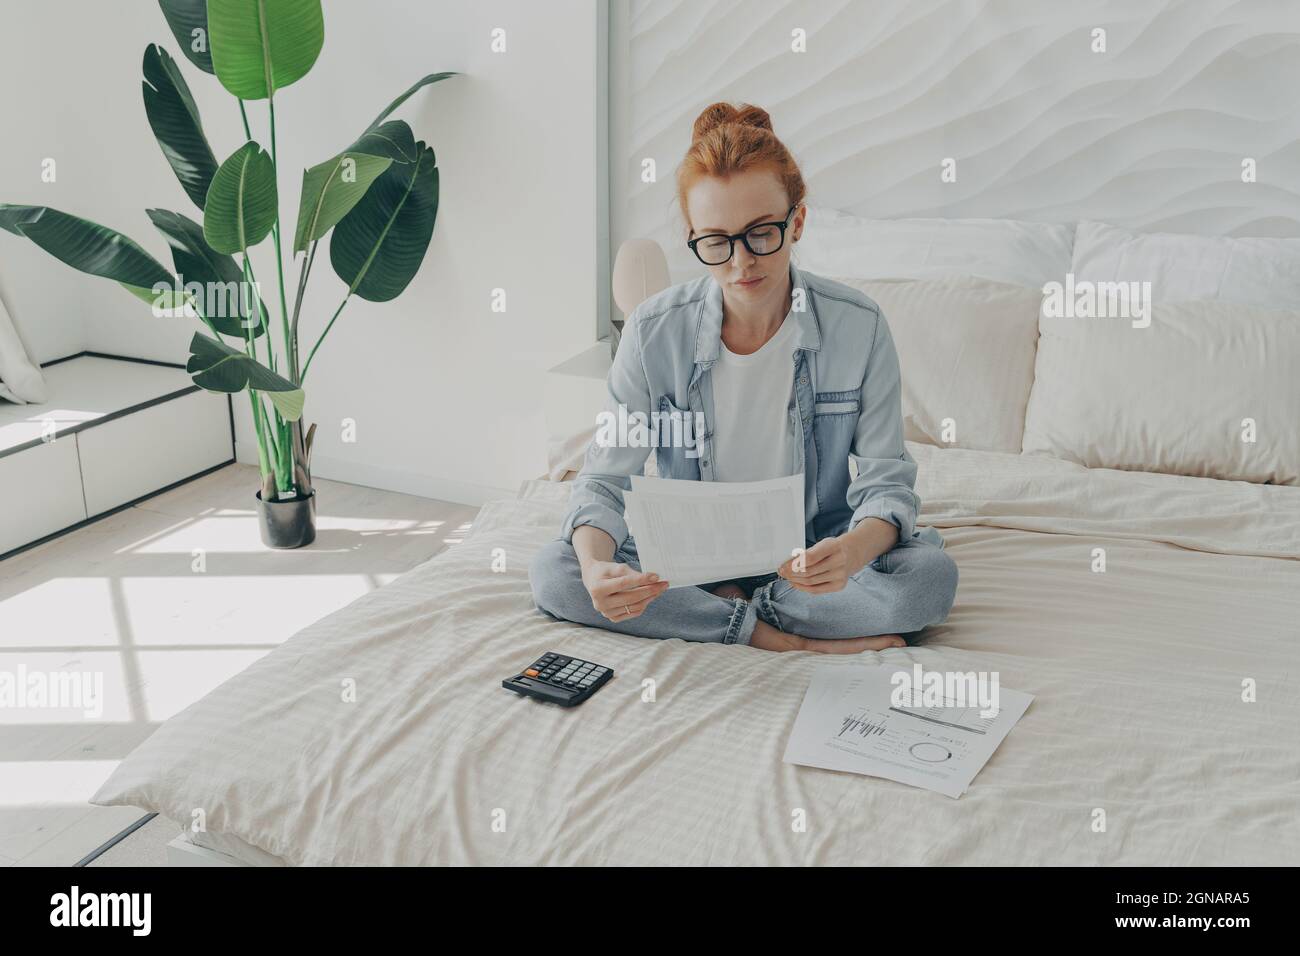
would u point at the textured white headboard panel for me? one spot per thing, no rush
(1150, 134)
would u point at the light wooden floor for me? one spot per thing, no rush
(168, 599)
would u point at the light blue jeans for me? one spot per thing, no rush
(903, 591)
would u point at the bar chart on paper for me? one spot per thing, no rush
(861, 724)
(848, 721)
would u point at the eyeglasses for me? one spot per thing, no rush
(762, 239)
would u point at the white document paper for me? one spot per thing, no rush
(697, 532)
(848, 722)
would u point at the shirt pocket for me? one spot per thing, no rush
(678, 449)
(837, 403)
(835, 420)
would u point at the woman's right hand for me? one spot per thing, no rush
(620, 592)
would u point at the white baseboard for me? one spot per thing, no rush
(389, 479)
(181, 852)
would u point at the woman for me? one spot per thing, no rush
(789, 373)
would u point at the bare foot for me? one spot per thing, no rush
(731, 591)
(769, 638)
(854, 645)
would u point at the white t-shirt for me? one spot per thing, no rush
(752, 437)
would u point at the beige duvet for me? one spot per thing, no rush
(1138, 719)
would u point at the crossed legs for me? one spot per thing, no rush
(907, 589)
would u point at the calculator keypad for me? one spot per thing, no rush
(569, 674)
(567, 671)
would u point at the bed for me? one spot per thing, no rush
(1121, 495)
(1141, 673)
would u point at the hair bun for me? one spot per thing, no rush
(720, 114)
(728, 140)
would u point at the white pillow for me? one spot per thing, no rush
(1173, 397)
(1255, 272)
(966, 351)
(20, 380)
(1026, 253)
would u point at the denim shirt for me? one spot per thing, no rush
(845, 406)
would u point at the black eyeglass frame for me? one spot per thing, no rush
(742, 236)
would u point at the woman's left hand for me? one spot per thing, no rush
(826, 566)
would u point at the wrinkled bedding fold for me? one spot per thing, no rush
(959, 488)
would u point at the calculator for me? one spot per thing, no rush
(559, 679)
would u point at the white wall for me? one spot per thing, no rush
(42, 110)
(1148, 134)
(445, 393)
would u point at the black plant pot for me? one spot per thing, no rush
(288, 522)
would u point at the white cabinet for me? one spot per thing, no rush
(149, 449)
(112, 431)
(40, 492)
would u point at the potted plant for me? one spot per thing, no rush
(377, 200)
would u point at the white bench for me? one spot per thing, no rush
(115, 430)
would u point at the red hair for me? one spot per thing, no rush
(727, 140)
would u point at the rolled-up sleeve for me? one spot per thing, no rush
(597, 495)
(886, 473)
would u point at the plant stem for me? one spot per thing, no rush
(264, 466)
(261, 319)
(297, 309)
(278, 465)
(270, 438)
(275, 236)
(322, 335)
(254, 402)
(264, 435)
(302, 470)
(286, 452)
(297, 460)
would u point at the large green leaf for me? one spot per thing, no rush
(241, 205)
(393, 139)
(260, 46)
(378, 247)
(175, 122)
(218, 274)
(216, 366)
(415, 87)
(185, 17)
(91, 248)
(330, 190)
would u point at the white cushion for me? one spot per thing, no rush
(966, 352)
(1026, 253)
(20, 380)
(1171, 397)
(1257, 272)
